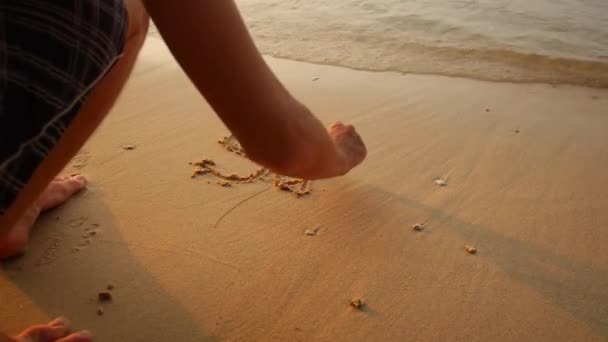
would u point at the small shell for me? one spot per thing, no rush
(418, 227)
(470, 249)
(441, 182)
(310, 232)
(356, 303)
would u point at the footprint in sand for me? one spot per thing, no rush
(50, 252)
(299, 187)
(89, 232)
(81, 160)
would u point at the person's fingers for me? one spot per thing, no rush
(81, 336)
(43, 333)
(60, 322)
(336, 124)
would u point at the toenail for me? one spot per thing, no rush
(79, 178)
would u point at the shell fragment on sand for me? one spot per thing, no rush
(470, 249)
(418, 227)
(310, 232)
(441, 182)
(128, 147)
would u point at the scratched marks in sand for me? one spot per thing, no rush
(299, 187)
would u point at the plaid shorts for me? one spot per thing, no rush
(52, 53)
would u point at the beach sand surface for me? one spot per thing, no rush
(524, 167)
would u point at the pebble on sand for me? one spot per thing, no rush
(104, 296)
(470, 249)
(418, 227)
(99, 311)
(356, 303)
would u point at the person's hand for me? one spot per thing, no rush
(56, 331)
(349, 144)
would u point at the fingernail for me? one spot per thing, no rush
(60, 322)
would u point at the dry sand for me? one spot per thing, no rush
(525, 167)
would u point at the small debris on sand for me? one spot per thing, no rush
(310, 232)
(128, 147)
(516, 131)
(316, 78)
(110, 287)
(99, 311)
(418, 227)
(441, 182)
(224, 184)
(487, 109)
(104, 296)
(470, 250)
(75, 250)
(356, 303)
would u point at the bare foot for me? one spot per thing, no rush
(56, 193)
(55, 331)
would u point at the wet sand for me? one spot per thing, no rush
(524, 168)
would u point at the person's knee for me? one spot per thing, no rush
(139, 22)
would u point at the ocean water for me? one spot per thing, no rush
(552, 41)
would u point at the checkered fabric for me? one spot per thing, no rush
(52, 52)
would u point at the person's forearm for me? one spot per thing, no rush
(222, 61)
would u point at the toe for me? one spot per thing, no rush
(76, 182)
(60, 190)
